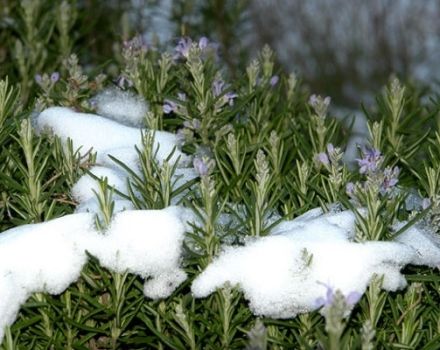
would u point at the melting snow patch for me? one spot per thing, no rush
(286, 273)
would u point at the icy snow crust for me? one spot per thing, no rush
(281, 275)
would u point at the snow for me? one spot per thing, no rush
(103, 136)
(425, 243)
(91, 132)
(287, 272)
(121, 106)
(281, 275)
(86, 187)
(147, 243)
(48, 257)
(40, 257)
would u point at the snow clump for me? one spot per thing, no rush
(91, 132)
(49, 256)
(287, 272)
(109, 138)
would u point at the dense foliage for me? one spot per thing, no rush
(265, 150)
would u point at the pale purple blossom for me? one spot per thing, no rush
(316, 101)
(330, 149)
(169, 106)
(203, 42)
(350, 188)
(201, 166)
(38, 79)
(322, 158)
(426, 203)
(123, 82)
(370, 161)
(54, 77)
(319, 104)
(328, 300)
(183, 47)
(274, 80)
(136, 44)
(217, 87)
(390, 178)
(229, 98)
(351, 299)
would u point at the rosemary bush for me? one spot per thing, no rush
(265, 151)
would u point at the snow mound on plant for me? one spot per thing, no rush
(106, 137)
(287, 272)
(111, 139)
(49, 256)
(147, 243)
(122, 106)
(44, 257)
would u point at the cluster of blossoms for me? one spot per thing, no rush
(203, 165)
(371, 165)
(218, 90)
(332, 156)
(47, 81)
(320, 105)
(178, 106)
(184, 45)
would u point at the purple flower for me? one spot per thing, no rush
(54, 77)
(169, 106)
(38, 79)
(426, 202)
(137, 43)
(370, 161)
(182, 48)
(330, 149)
(390, 178)
(349, 188)
(274, 80)
(123, 82)
(328, 300)
(217, 87)
(351, 299)
(229, 97)
(200, 166)
(319, 104)
(203, 42)
(322, 158)
(316, 101)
